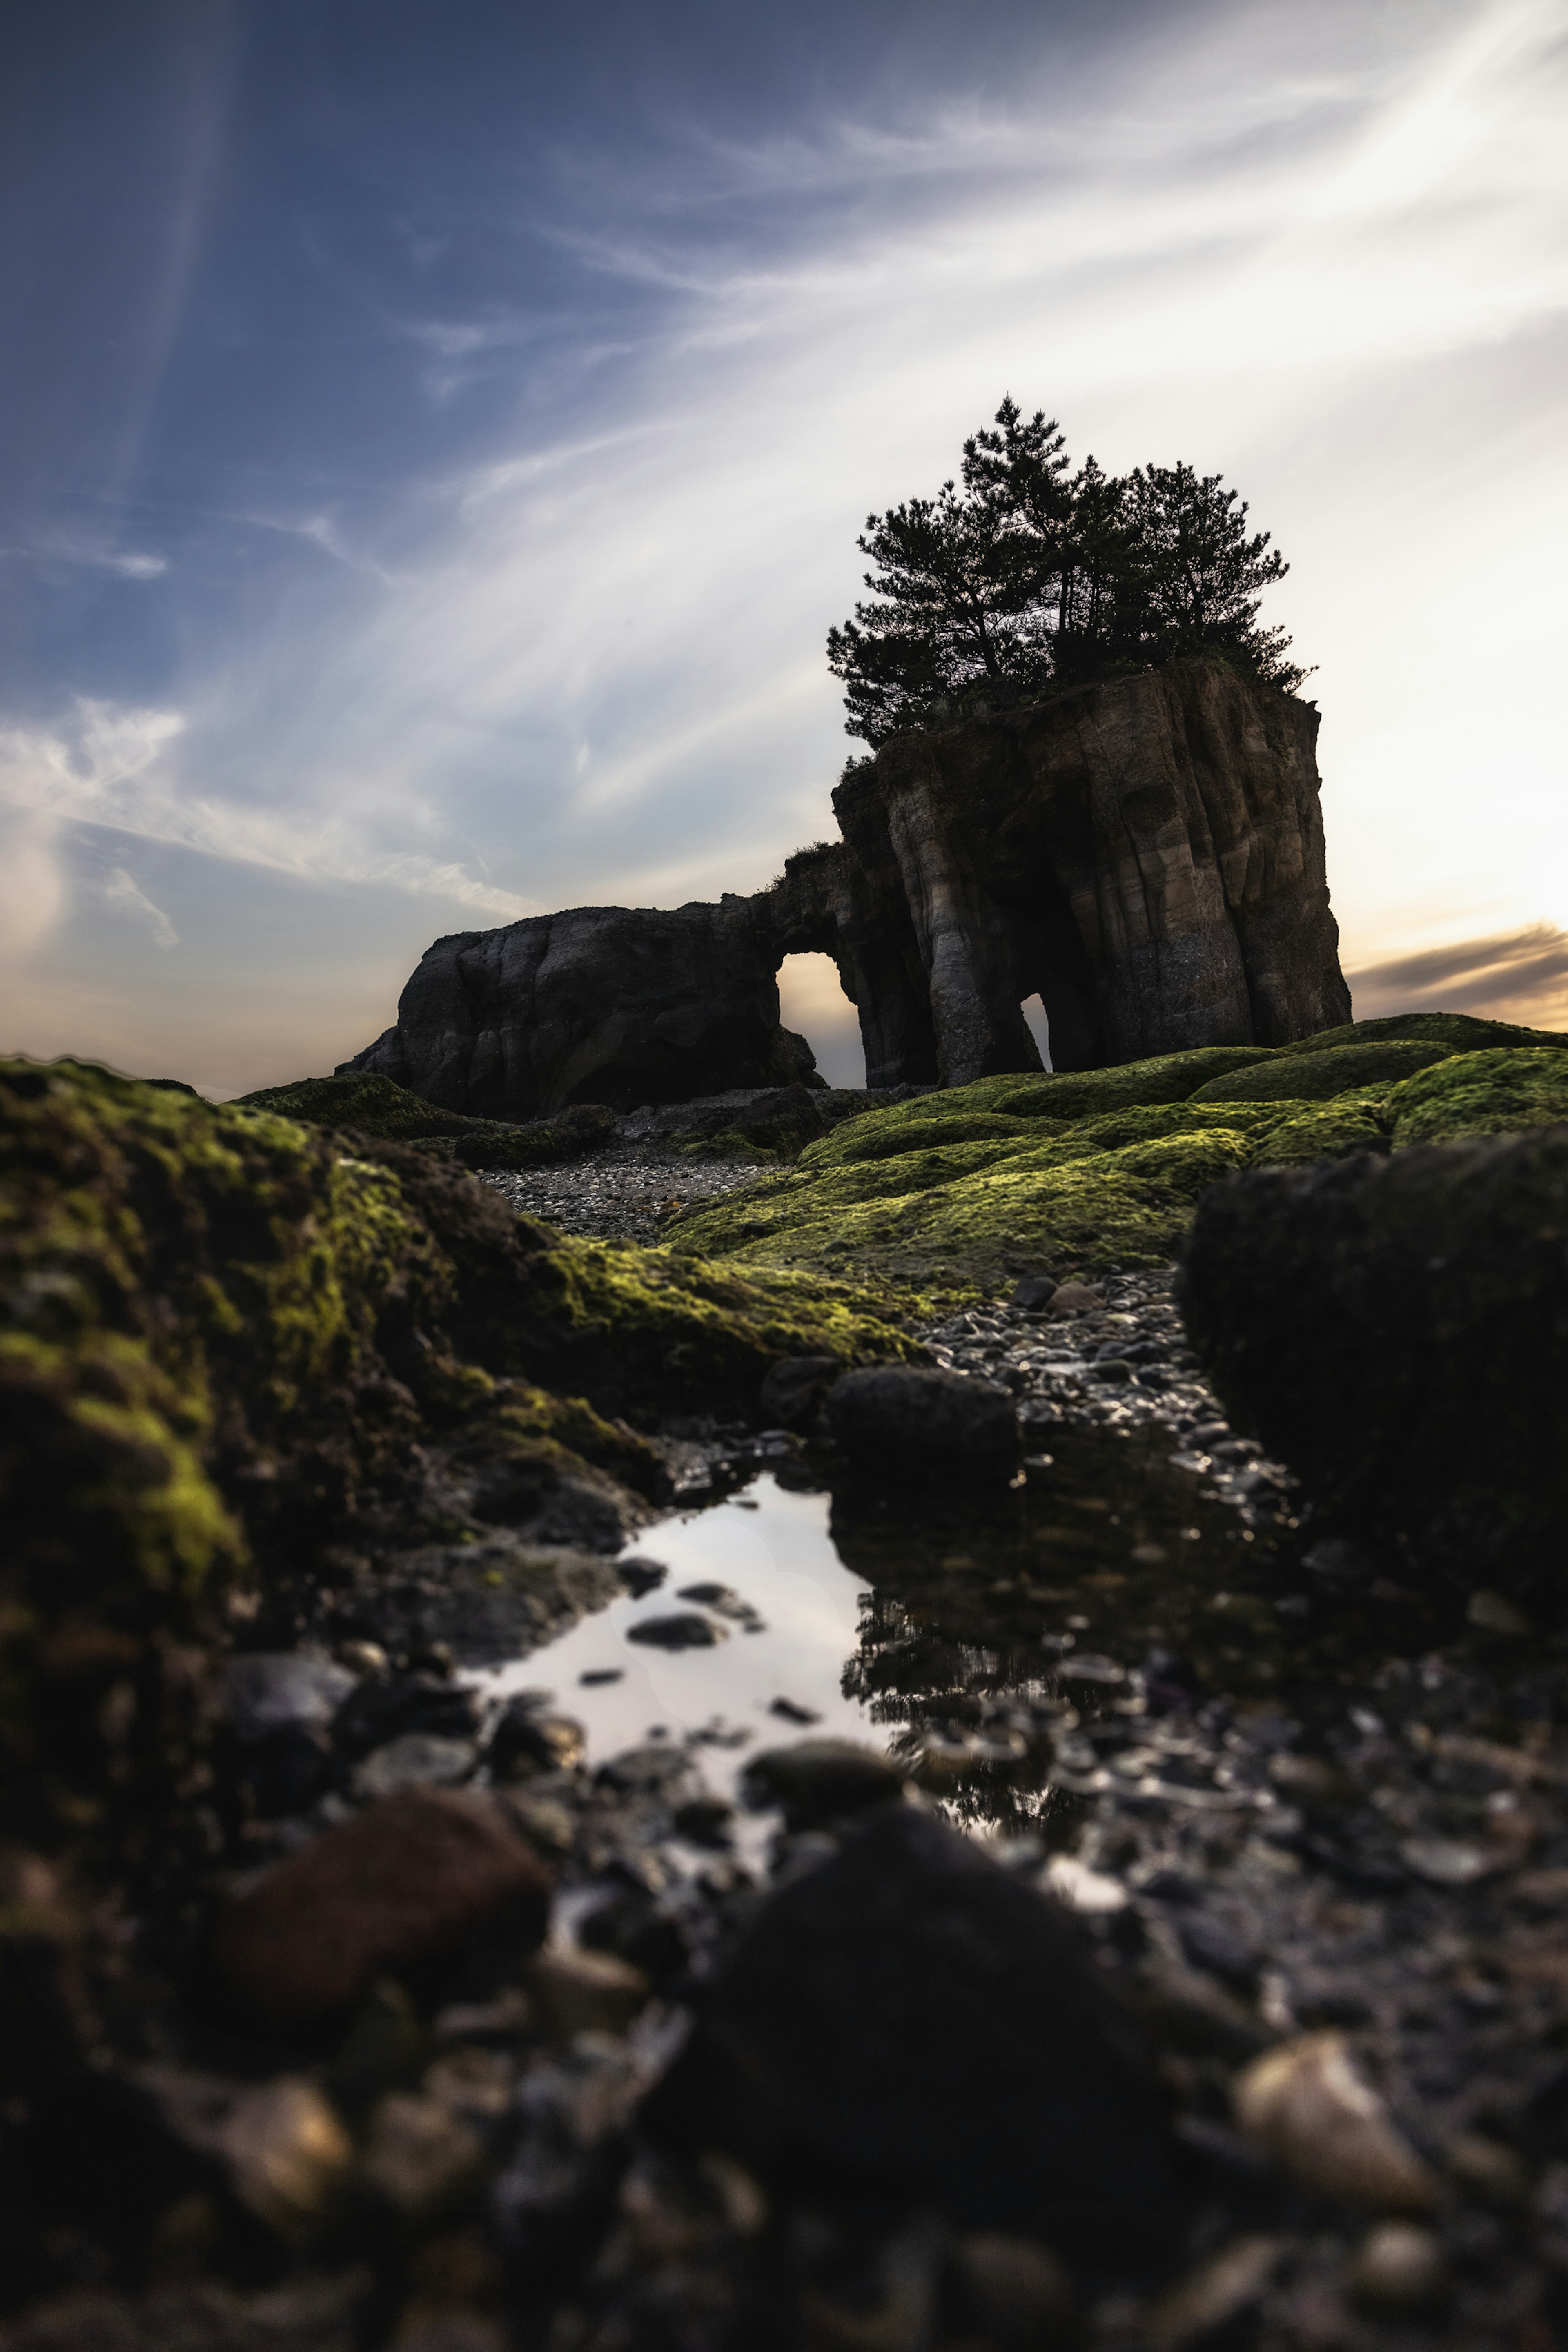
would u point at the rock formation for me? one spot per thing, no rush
(1145, 854)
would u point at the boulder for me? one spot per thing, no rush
(1397, 1330)
(929, 1424)
(401, 1884)
(908, 2019)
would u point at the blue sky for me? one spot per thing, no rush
(436, 437)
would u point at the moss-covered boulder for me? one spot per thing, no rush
(1499, 1092)
(1350, 1068)
(1397, 1330)
(360, 1102)
(976, 1184)
(235, 1356)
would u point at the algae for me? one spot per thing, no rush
(362, 1103)
(1308, 1077)
(1500, 1091)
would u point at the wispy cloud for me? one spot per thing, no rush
(1520, 976)
(121, 889)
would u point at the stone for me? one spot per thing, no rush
(980, 864)
(821, 1781)
(682, 1628)
(925, 1423)
(1214, 2295)
(1396, 1331)
(270, 1691)
(1304, 2106)
(405, 1883)
(1491, 1612)
(288, 2153)
(1015, 2296)
(420, 1760)
(1400, 2271)
(420, 2157)
(381, 1711)
(529, 1738)
(640, 1576)
(580, 1991)
(795, 1389)
(907, 2018)
(1034, 1293)
(1074, 1299)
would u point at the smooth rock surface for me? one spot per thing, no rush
(405, 1882)
(908, 2015)
(934, 1423)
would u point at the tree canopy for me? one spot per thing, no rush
(1026, 572)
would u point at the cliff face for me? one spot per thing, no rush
(1146, 854)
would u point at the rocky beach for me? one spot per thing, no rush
(1051, 1872)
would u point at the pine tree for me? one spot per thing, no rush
(1032, 574)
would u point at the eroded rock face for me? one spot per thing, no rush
(1146, 854)
(607, 1005)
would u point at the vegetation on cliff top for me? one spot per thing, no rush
(1103, 1167)
(361, 1102)
(1031, 576)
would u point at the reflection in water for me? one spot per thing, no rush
(1006, 1645)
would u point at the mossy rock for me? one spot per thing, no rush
(1330, 1131)
(1353, 1068)
(1457, 1032)
(227, 1344)
(360, 1103)
(361, 1100)
(1501, 1091)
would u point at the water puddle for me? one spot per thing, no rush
(954, 1628)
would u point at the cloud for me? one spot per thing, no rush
(121, 890)
(111, 766)
(1517, 975)
(31, 887)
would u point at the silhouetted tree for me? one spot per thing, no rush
(1032, 574)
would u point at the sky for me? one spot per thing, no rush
(436, 433)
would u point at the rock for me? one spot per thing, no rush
(405, 1883)
(1211, 2298)
(382, 1711)
(420, 1760)
(682, 1628)
(1035, 1292)
(980, 864)
(1208, 1943)
(795, 1389)
(267, 1692)
(1492, 1614)
(1397, 1332)
(725, 1601)
(929, 1423)
(604, 1004)
(1400, 2271)
(821, 1781)
(421, 2158)
(908, 2018)
(1304, 2106)
(640, 1576)
(288, 2153)
(1448, 1862)
(1074, 1299)
(578, 1991)
(529, 1738)
(1013, 2295)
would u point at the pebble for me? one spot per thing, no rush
(1399, 2271)
(420, 1760)
(1214, 2296)
(405, 1881)
(821, 1781)
(270, 1691)
(1304, 2106)
(683, 1629)
(576, 1991)
(421, 2158)
(287, 2153)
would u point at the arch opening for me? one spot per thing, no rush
(1038, 1022)
(812, 1001)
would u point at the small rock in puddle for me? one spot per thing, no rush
(683, 1629)
(727, 1601)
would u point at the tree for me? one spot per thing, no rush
(1200, 577)
(1034, 575)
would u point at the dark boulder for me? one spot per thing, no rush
(819, 1781)
(795, 1389)
(1397, 1330)
(928, 1423)
(908, 2019)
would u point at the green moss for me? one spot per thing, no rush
(1460, 1033)
(1496, 1092)
(1330, 1131)
(1351, 1068)
(363, 1101)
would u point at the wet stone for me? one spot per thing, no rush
(682, 1628)
(821, 1781)
(929, 1423)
